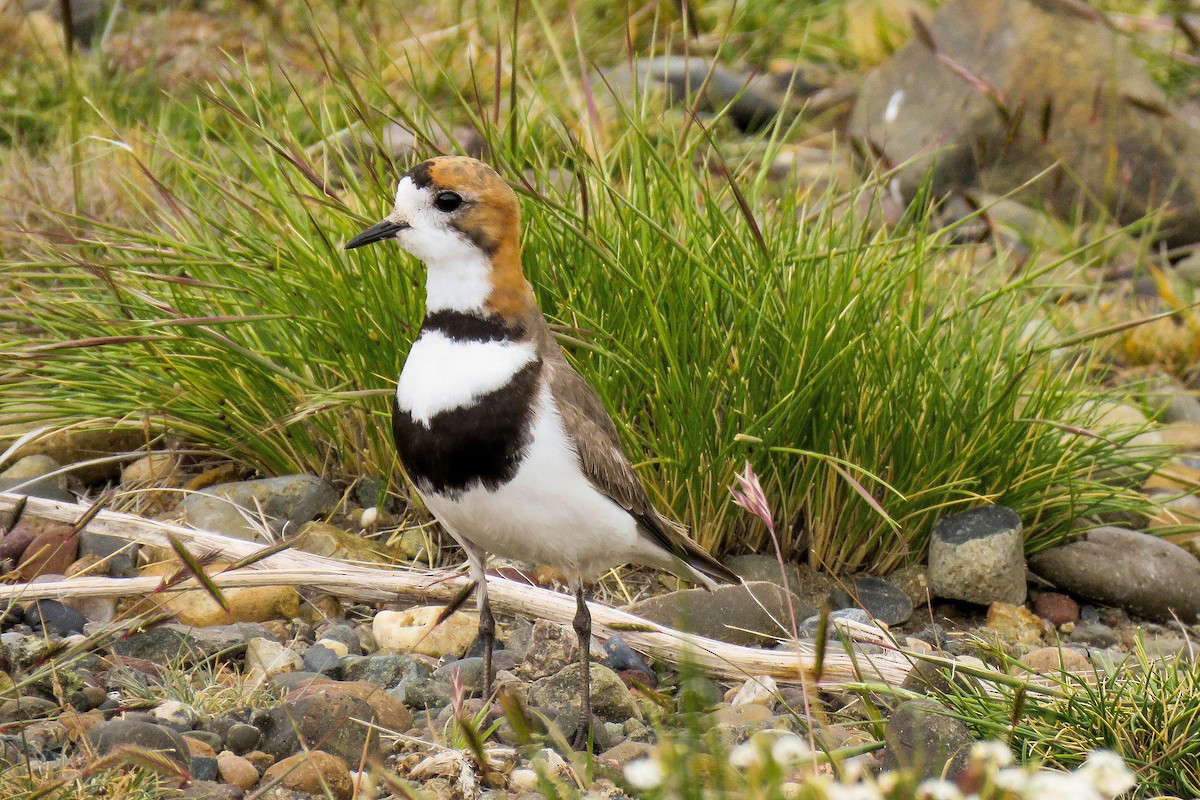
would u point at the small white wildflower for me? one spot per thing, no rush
(1107, 773)
(858, 791)
(790, 748)
(1052, 785)
(746, 755)
(645, 773)
(938, 789)
(1012, 779)
(991, 754)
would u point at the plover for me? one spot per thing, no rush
(509, 447)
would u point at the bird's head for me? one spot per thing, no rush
(458, 216)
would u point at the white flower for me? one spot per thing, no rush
(1050, 785)
(991, 754)
(1012, 779)
(860, 791)
(790, 748)
(645, 773)
(746, 755)
(1107, 773)
(937, 789)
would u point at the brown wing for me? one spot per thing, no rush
(605, 464)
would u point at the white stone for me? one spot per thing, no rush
(266, 658)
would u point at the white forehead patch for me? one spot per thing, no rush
(409, 197)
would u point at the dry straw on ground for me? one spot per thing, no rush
(364, 583)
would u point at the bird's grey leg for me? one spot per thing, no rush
(487, 623)
(583, 630)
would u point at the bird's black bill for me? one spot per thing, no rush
(376, 233)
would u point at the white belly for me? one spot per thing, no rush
(549, 513)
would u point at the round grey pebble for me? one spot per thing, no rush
(321, 660)
(242, 738)
(54, 617)
(210, 738)
(204, 768)
(347, 635)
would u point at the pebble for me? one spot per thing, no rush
(50, 552)
(242, 738)
(115, 733)
(1056, 608)
(326, 722)
(315, 772)
(236, 770)
(1143, 574)
(204, 768)
(175, 715)
(266, 658)
(923, 737)
(1017, 628)
(1054, 660)
(288, 502)
(321, 659)
(880, 598)
(978, 556)
(747, 614)
(32, 475)
(54, 617)
(413, 631)
(558, 696)
(118, 555)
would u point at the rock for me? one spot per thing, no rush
(761, 691)
(425, 693)
(878, 597)
(50, 552)
(468, 671)
(326, 722)
(551, 647)
(236, 770)
(698, 693)
(14, 543)
(749, 103)
(413, 631)
(266, 658)
(26, 708)
(196, 607)
(115, 733)
(923, 737)
(157, 467)
(1054, 660)
(1016, 627)
(75, 445)
(346, 634)
(207, 741)
(288, 502)
(808, 584)
(242, 738)
(388, 671)
(321, 659)
(978, 556)
(326, 540)
(389, 712)
(172, 643)
(809, 627)
(1063, 95)
(1135, 571)
(316, 773)
(558, 697)
(622, 660)
(118, 555)
(749, 614)
(1056, 608)
(204, 768)
(54, 617)
(1093, 634)
(175, 715)
(31, 476)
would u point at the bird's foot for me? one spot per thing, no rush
(582, 735)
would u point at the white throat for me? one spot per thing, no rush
(458, 284)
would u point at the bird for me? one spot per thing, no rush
(509, 447)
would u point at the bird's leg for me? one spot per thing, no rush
(487, 623)
(487, 630)
(583, 630)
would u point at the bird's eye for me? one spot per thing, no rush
(447, 201)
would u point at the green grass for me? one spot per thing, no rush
(722, 315)
(1146, 711)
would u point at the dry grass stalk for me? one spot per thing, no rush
(294, 568)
